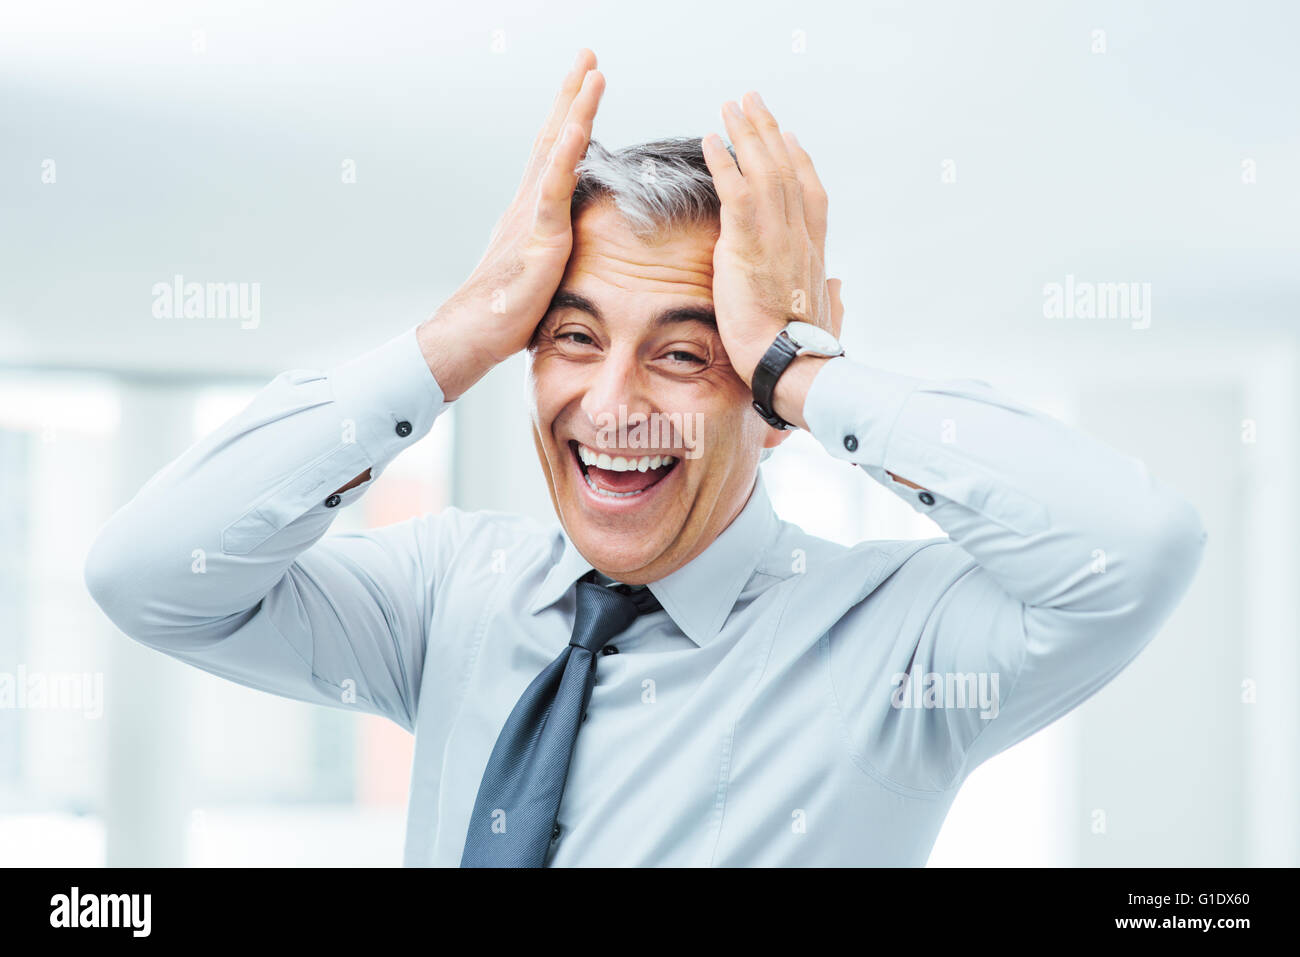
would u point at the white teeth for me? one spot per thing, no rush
(620, 463)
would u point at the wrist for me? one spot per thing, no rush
(448, 342)
(793, 386)
(784, 375)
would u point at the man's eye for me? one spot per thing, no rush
(581, 338)
(677, 355)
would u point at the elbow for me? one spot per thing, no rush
(106, 576)
(153, 590)
(1172, 540)
(1179, 539)
(117, 577)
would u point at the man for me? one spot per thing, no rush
(672, 676)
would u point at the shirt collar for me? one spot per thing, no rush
(700, 595)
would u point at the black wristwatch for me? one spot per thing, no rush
(796, 339)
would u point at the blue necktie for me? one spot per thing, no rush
(519, 797)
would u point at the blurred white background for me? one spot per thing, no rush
(973, 152)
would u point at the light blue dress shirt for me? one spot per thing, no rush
(760, 718)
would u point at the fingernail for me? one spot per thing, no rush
(577, 61)
(733, 108)
(758, 99)
(793, 139)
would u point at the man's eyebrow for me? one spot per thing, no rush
(702, 314)
(565, 299)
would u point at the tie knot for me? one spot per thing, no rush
(605, 611)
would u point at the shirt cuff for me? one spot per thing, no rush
(387, 398)
(851, 409)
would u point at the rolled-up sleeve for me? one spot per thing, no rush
(220, 559)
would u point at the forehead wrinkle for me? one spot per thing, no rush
(609, 297)
(613, 269)
(606, 248)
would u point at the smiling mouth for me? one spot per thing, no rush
(618, 476)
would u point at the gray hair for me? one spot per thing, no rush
(656, 186)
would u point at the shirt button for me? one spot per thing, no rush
(851, 443)
(927, 498)
(555, 833)
(609, 650)
(332, 500)
(403, 429)
(584, 716)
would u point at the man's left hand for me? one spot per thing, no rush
(768, 264)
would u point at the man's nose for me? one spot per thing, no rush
(616, 381)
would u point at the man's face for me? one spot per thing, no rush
(628, 364)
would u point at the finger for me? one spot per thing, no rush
(544, 142)
(733, 191)
(568, 149)
(756, 164)
(555, 191)
(814, 194)
(583, 109)
(765, 123)
(573, 80)
(833, 287)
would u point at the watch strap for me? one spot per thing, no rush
(774, 362)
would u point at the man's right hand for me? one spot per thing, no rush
(493, 314)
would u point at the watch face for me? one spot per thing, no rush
(813, 339)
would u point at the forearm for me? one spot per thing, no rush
(212, 532)
(446, 343)
(1060, 520)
